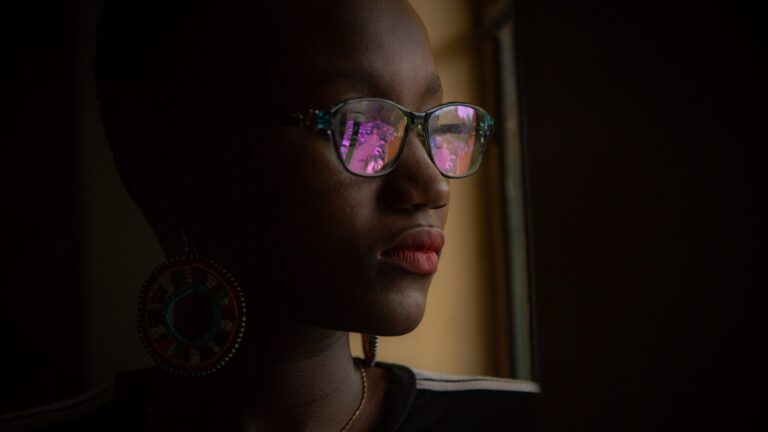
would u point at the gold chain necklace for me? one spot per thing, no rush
(151, 425)
(362, 400)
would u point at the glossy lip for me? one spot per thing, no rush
(416, 251)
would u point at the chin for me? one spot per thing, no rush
(401, 327)
(386, 313)
(395, 312)
(383, 306)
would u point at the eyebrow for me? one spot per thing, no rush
(435, 87)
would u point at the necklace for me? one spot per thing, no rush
(151, 424)
(362, 399)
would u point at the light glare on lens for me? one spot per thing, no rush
(372, 135)
(453, 139)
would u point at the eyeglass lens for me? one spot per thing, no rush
(453, 134)
(369, 135)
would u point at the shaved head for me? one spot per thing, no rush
(179, 59)
(156, 58)
(264, 200)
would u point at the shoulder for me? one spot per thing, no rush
(430, 381)
(89, 411)
(115, 407)
(459, 403)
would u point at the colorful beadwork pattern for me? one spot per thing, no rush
(370, 347)
(173, 281)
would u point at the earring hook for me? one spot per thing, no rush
(189, 245)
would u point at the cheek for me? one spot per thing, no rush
(332, 227)
(281, 178)
(318, 253)
(304, 215)
(306, 237)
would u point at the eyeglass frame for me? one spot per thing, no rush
(320, 121)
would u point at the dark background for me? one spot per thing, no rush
(639, 126)
(638, 121)
(41, 276)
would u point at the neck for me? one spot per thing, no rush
(298, 379)
(300, 366)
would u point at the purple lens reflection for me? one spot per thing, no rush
(453, 137)
(370, 135)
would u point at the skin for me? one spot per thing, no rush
(301, 234)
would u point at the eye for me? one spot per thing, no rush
(454, 128)
(368, 135)
(457, 138)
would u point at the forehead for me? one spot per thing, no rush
(360, 48)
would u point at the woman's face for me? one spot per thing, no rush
(306, 238)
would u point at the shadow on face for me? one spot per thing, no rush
(304, 236)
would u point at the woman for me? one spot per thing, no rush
(274, 151)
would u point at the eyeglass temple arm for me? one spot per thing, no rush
(312, 120)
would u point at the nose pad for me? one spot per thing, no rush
(420, 133)
(416, 153)
(419, 128)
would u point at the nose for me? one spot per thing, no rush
(415, 183)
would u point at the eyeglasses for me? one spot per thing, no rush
(369, 134)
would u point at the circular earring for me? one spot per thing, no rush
(191, 315)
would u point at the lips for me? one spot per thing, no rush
(416, 251)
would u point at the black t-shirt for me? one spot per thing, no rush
(423, 401)
(415, 401)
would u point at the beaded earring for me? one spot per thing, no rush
(191, 314)
(370, 348)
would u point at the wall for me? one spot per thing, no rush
(639, 148)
